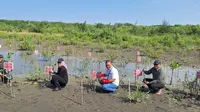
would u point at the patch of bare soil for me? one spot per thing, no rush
(39, 98)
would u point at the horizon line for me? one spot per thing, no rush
(65, 22)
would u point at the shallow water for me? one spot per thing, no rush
(24, 64)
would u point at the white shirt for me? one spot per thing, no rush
(112, 73)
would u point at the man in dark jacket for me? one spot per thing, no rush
(60, 78)
(158, 82)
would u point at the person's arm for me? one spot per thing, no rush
(153, 82)
(148, 72)
(58, 72)
(114, 74)
(4, 73)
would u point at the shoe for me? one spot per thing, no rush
(56, 89)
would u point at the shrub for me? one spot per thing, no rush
(33, 77)
(26, 45)
(138, 96)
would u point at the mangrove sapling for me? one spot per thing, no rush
(33, 76)
(185, 82)
(47, 55)
(193, 86)
(83, 70)
(91, 78)
(9, 75)
(174, 65)
(138, 96)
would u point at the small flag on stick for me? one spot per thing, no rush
(36, 52)
(138, 59)
(198, 74)
(94, 74)
(8, 65)
(137, 72)
(48, 69)
(89, 54)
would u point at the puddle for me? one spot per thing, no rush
(24, 64)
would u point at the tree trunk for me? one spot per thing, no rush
(171, 77)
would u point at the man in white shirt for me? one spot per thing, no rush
(109, 80)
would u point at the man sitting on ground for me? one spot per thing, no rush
(109, 80)
(157, 83)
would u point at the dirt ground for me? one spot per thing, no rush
(38, 98)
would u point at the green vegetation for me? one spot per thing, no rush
(138, 96)
(174, 65)
(33, 77)
(26, 44)
(155, 39)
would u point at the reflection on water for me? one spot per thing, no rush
(25, 64)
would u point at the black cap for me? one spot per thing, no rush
(157, 62)
(60, 60)
(1, 56)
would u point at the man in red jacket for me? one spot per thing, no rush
(110, 79)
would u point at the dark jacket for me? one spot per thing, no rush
(62, 72)
(2, 70)
(158, 75)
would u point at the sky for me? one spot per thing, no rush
(145, 12)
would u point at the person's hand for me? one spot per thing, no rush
(146, 82)
(9, 71)
(105, 81)
(51, 71)
(98, 75)
(2, 74)
(143, 70)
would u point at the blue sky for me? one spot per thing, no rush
(146, 12)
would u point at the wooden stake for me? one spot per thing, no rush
(129, 89)
(82, 90)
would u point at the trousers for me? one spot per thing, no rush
(109, 87)
(4, 79)
(155, 86)
(58, 81)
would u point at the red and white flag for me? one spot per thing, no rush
(137, 72)
(48, 69)
(36, 52)
(89, 54)
(8, 65)
(94, 74)
(138, 59)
